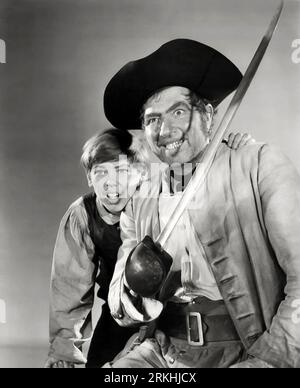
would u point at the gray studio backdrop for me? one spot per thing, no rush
(59, 57)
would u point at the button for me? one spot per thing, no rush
(117, 315)
(172, 360)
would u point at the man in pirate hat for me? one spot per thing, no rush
(231, 297)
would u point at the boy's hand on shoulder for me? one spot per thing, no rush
(237, 140)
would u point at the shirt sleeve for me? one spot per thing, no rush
(279, 186)
(128, 310)
(72, 287)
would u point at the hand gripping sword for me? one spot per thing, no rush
(148, 264)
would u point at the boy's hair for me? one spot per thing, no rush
(107, 147)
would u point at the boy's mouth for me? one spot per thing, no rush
(113, 198)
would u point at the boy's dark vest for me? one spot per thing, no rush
(108, 338)
(107, 241)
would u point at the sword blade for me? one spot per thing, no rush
(205, 162)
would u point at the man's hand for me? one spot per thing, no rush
(237, 140)
(52, 362)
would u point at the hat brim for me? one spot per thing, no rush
(181, 62)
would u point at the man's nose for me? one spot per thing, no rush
(165, 128)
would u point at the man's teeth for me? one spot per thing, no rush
(173, 146)
(113, 195)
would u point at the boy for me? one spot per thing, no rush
(88, 240)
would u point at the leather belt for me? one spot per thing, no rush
(198, 322)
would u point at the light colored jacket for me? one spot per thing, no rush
(72, 286)
(250, 233)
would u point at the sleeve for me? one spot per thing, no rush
(279, 186)
(71, 288)
(126, 309)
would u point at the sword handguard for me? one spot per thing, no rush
(147, 267)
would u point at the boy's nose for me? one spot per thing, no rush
(111, 182)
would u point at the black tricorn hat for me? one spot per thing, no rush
(180, 62)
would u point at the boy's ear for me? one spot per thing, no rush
(88, 176)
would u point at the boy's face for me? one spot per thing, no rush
(114, 183)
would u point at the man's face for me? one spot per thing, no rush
(114, 183)
(176, 132)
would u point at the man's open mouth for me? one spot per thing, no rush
(113, 196)
(174, 145)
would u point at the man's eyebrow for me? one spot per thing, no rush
(177, 104)
(152, 114)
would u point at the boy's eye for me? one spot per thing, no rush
(123, 171)
(100, 173)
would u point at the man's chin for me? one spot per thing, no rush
(179, 157)
(176, 159)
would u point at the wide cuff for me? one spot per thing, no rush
(276, 351)
(151, 308)
(65, 350)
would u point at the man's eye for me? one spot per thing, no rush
(179, 113)
(152, 121)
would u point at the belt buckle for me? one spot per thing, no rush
(194, 320)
